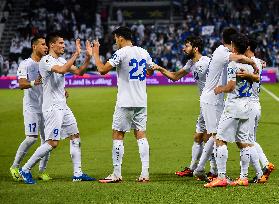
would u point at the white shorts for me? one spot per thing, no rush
(33, 123)
(127, 118)
(200, 125)
(211, 114)
(255, 116)
(233, 129)
(60, 123)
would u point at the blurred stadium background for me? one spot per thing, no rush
(158, 26)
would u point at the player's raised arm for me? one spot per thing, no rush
(171, 75)
(81, 70)
(102, 68)
(67, 67)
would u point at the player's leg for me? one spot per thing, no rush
(225, 133)
(139, 120)
(31, 132)
(53, 123)
(70, 129)
(211, 114)
(121, 123)
(254, 157)
(43, 163)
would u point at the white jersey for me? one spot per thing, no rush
(243, 87)
(199, 70)
(131, 63)
(256, 85)
(32, 100)
(216, 76)
(238, 101)
(53, 83)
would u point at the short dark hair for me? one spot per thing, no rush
(240, 42)
(252, 43)
(52, 37)
(195, 41)
(35, 39)
(227, 33)
(124, 32)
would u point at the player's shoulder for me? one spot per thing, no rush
(204, 60)
(61, 59)
(233, 64)
(25, 62)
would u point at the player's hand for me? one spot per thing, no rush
(38, 81)
(218, 90)
(89, 49)
(78, 47)
(96, 47)
(242, 74)
(156, 67)
(263, 63)
(66, 94)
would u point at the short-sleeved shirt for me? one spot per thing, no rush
(32, 100)
(199, 70)
(53, 83)
(256, 85)
(216, 75)
(131, 63)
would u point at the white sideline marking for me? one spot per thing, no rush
(270, 93)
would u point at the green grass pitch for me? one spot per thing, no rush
(172, 113)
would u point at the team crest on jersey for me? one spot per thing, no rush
(46, 61)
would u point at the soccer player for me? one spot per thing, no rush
(212, 105)
(132, 64)
(60, 122)
(197, 64)
(234, 122)
(256, 150)
(30, 80)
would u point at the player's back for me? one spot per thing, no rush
(131, 63)
(215, 75)
(53, 83)
(32, 100)
(243, 87)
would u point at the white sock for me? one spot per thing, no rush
(117, 155)
(263, 159)
(40, 152)
(44, 160)
(196, 154)
(213, 165)
(75, 153)
(144, 156)
(221, 160)
(207, 151)
(22, 150)
(244, 161)
(254, 160)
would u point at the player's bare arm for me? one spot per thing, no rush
(245, 60)
(174, 76)
(82, 69)
(67, 67)
(249, 76)
(102, 68)
(229, 87)
(25, 84)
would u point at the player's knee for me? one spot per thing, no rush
(75, 142)
(117, 135)
(242, 145)
(31, 139)
(53, 143)
(198, 137)
(220, 143)
(74, 136)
